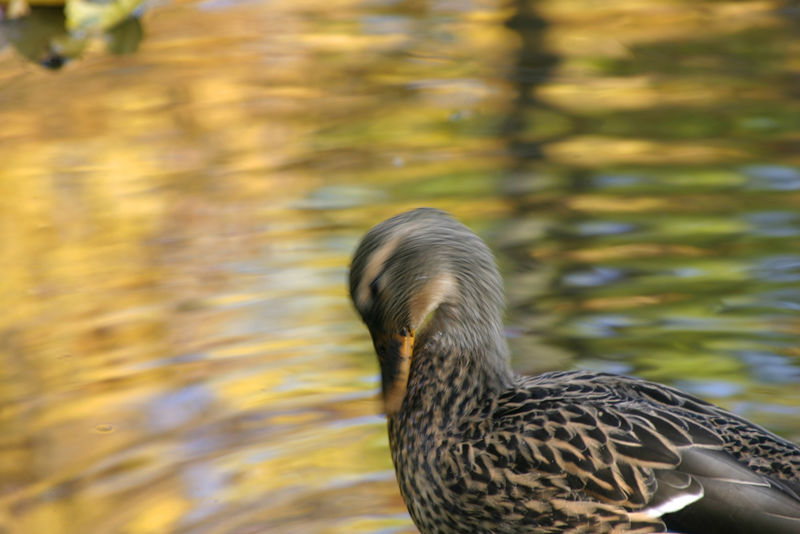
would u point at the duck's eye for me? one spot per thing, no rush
(373, 287)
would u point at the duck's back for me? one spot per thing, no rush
(593, 452)
(673, 415)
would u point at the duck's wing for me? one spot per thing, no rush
(752, 445)
(602, 454)
(734, 498)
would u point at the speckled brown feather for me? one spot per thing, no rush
(480, 450)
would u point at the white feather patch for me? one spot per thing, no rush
(674, 504)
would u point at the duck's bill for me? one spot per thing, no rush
(394, 354)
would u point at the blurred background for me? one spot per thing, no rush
(178, 353)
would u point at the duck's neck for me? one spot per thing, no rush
(453, 371)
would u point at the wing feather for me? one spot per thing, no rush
(635, 450)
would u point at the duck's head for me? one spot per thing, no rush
(419, 276)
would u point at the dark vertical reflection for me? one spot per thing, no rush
(525, 130)
(533, 67)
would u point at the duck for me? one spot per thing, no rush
(479, 449)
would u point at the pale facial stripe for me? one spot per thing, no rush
(372, 269)
(425, 301)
